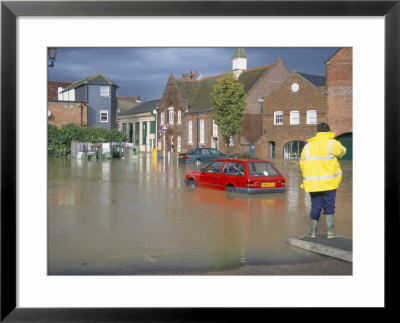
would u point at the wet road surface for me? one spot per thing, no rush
(136, 217)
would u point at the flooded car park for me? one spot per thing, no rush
(137, 217)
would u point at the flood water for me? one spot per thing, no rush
(136, 217)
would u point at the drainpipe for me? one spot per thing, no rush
(197, 129)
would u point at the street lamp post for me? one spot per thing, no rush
(164, 129)
(51, 56)
(156, 130)
(164, 144)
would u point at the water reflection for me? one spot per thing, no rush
(136, 216)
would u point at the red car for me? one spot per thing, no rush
(238, 175)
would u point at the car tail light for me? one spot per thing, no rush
(281, 182)
(186, 156)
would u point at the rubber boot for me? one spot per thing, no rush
(330, 227)
(313, 232)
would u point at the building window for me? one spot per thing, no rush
(105, 91)
(179, 116)
(124, 128)
(179, 144)
(152, 127)
(103, 115)
(294, 117)
(171, 115)
(130, 136)
(162, 119)
(144, 133)
(137, 132)
(201, 131)
(312, 117)
(278, 118)
(215, 129)
(190, 129)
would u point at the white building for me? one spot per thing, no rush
(139, 124)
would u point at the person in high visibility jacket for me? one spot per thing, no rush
(322, 175)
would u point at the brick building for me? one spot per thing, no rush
(291, 113)
(64, 112)
(339, 89)
(97, 92)
(185, 106)
(293, 109)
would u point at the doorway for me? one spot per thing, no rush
(271, 149)
(347, 141)
(292, 150)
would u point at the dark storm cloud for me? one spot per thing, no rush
(145, 71)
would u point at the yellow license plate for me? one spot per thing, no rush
(267, 184)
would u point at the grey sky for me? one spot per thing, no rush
(145, 71)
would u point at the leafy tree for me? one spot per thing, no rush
(228, 101)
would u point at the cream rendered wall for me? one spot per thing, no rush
(141, 118)
(66, 96)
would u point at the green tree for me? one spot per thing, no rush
(228, 101)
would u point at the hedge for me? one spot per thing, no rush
(59, 138)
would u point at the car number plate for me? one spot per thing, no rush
(267, 184)
(180, 156)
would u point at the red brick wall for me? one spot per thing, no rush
(339, 87)
(252, 125)
(67, 112)
(172, 98)
(195, 117)
(308, 97)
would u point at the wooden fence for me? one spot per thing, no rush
(77, 147)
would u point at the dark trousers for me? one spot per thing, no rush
(322, 200)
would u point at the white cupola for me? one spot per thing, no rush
(239, 61)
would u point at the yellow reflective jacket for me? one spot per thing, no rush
(319, 165)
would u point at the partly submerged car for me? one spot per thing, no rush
(238, 175)
(200, 156)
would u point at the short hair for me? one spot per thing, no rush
(323, 127)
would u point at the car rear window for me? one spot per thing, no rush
(262, 169)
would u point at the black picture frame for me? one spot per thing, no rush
(10, 10)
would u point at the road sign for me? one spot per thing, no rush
(164, 127)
